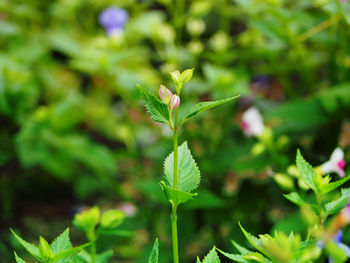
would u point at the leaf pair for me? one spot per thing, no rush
(159, 111)
(59, 251)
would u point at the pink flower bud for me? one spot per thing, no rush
(165, 94)
(174, 102)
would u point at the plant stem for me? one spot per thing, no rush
(313, 31)
(175, 149)
(93, 252)
(174, 206)
(174, 234)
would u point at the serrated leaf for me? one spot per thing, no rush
(198, 260)
(62, 242)
(45, 249)
(203, 106)
(18, 259)
(240, 248)
(306, 171)
(153, 257)
(336, 206)
(32, 249)
(176, 196)
(157, 110)
(255, 256)
(188, 175)
(70, 252)
(295, 198)
(212, 257)
(235, 257)
(255, 242)
(334, 185)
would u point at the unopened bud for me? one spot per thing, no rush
(175, 76)
(174, 102)
(186, 75)
(165, 94)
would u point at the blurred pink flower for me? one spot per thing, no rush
(252, 122)
(335, 164)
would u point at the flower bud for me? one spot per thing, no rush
(186, 75)
(175, 76)
(174, 102)
(165, 94)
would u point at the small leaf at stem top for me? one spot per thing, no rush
(157, 110)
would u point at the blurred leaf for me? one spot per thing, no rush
(337, 205)
(33, 250)
(87, 221)
(334, 185)
(307, 173)
(18, 259)
(112, 218)
(153, 257)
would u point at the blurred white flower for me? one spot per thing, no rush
(252, 122)
(335, 164)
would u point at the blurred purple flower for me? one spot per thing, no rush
(113, 19)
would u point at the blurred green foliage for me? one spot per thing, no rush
(74, 131)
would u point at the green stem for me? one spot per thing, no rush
(174, 206)
(174, 234)
(93, 251)
(175, 149)
(319, 205)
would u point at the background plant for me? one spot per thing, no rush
(72, 121)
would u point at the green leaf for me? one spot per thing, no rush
(112, 218)
(336, 206)
(255, 242)
(157, 110)
(240, 248)
(212, 257)
(235, 257)
(18, 259)
(188, 177)
(203, 106)
(306, 171)
(87, 221)
(45, 249)
(176, 196)
(33, 250)
(198, 260)
(69, 252)
(255, 256)
(295, 198)
(153, 257)
(62, 242)
(334, 185)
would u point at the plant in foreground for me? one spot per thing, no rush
(93, 224)
(181, 174)
(323, 234)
